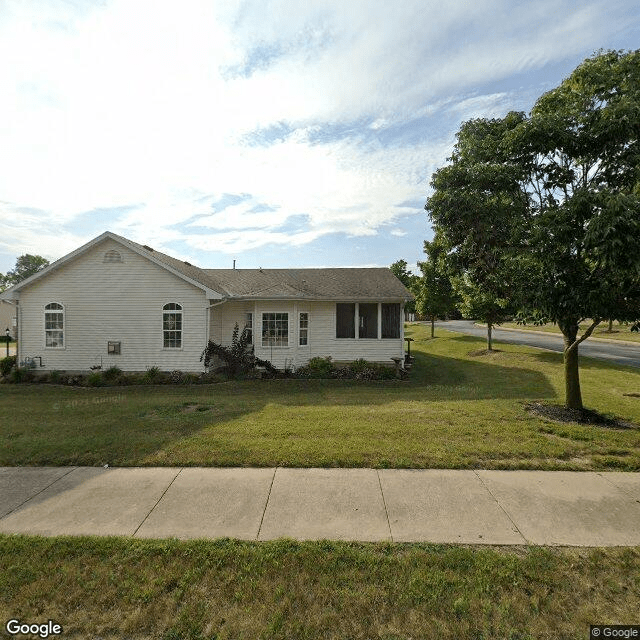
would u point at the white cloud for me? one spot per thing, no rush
(136, 103)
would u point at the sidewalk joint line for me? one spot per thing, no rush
(64, 475)
(613, 484)
(157, 501)
(384, 502)
(266, 504)
(506, 513)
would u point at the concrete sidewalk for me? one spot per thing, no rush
(452, 506)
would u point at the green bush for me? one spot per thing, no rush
(21, 374)
(55, 377)
(95, 379)
(152, 376)
(6, 364)
(318, 368)
(112, 373)
(358, 370)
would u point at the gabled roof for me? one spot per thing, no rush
(183, 270)
(348, 284)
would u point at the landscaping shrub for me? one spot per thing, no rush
(152, 376)
(318, 368)
(357, 370)
(239, 358)
(112, 373)
(176, 376)
(6, 364)
(94, 379)
(55, 377)
(21, 374)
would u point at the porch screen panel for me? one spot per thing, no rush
(391, 320)
(345, 320)
(368, 322)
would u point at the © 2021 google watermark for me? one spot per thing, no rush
(46, 629)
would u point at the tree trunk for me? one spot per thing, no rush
(610, 325)
(573, 395)
(489, 336)
(433, 324)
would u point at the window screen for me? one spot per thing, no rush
(345, 320)
(391, 320)
(368, 320)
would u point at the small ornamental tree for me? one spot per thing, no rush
(238, 358)
(435, 297)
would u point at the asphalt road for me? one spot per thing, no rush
(618, 353)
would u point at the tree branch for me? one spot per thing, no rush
(585, 335)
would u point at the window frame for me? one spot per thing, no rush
(303, 330)
(58, 309)
(264, 341)
(396, 327)
(248, 324)
(351, 326)
(177, 309)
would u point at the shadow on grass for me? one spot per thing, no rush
(124, 425)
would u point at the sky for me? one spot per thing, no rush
(278, 133)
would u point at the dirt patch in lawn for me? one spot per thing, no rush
(558, 413)
(483, 352)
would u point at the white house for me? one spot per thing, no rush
(116, 302)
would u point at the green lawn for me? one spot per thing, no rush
(461, 409)
(619, 331)
(114, 588)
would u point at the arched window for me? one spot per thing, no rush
(54, 325)
(172, 326)
(112, 256)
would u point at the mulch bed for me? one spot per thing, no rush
(560, 413)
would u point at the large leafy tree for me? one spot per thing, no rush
(478, 207)
(580, 154)
(551, 203)
(26, 266)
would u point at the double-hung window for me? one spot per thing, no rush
(54, 325)
(248, 325)
(303, 333)
(172, 326)
(275, 329)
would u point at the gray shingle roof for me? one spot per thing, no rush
(311, 284)
(358, 283)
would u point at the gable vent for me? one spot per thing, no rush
(112, 256)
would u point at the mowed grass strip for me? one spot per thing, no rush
(122, 588)
(459, 409)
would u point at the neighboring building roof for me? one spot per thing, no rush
(254, 284)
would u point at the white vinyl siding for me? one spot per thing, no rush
(321, 341)
(113, 302)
